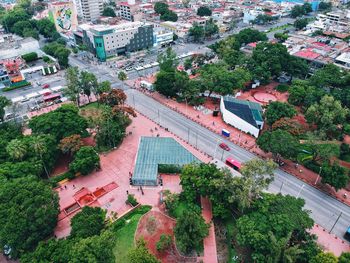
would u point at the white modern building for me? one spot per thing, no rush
(162, 37)
(242, 114)
(107, 41)
(89, 10)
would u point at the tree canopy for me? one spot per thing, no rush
(277, 110)
(61, 123)
(140, 254)
(85, 161)
(28, 213)
(190, 230)
(271, 219)
(88, 222)
(203, 11)
(278, 142)
(108, 11)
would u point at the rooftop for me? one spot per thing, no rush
(153, 151)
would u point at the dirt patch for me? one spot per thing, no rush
(160, 224)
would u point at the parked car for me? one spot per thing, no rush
(347, 234)
(224, 146)
(46, 86)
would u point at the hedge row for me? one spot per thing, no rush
(17, 85)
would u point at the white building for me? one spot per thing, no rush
(162, 37)
(89, 10)
(14, 46)
(241, 114)
(343, 60)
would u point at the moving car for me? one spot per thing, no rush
(46, 86)
(224, 146)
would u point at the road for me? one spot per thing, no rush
(324, 209)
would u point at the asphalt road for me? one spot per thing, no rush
(323, 208)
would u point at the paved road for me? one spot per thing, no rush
(324, 209)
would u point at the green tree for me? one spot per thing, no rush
(20, 26)
(28, 213)
(325, 6)
(188, 63)
(108, 11)
(330, 76)
(167, 60)
(12, 17)
(278, 142)
(327, 115)
(334, 175)
(249, 35)
(190, 230)
(17, 149)
(164, 242)
(40, 146)
(161, 8)
(324, 257)
(47, 28)
(277, 110)
(85, 161)
(122, 76)
(60, 123)
(11, 170)
(197, 32)
(210, 28)
(8, 132)
(257, 174)
(29, 32)
(169, 16)
(97, 249)
(256, 231)
(4, 102)
(73, 84)
(89, 222)
(344, 257)
(140, 254)
(88, 83)
(281, 37)
(301, 23)
(59, 51)
(103, 87)
(203, 11)
(300, 10)
(53, 250)
(164, 83)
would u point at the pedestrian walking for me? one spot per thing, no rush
(65, 187)
(127, 192)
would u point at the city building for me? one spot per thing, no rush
(64, 15)
(107, 41)
(89, 10)
(336, 22)
(242, 114)
(127, 10)
(343, 60)
(162, 36)
(14, 46)
(4, 78)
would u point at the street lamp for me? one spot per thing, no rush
(318, 176)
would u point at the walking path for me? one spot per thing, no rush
(210, 254)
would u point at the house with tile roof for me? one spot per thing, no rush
(242, 114)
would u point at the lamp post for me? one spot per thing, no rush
(318, 176)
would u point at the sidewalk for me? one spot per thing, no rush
(210, 254)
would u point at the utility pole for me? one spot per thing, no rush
(319, 174)
(281, 186)
(188, 134)
(336, 221)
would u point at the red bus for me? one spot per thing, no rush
(233, 163)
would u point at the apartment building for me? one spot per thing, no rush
(89, 10)
(107, 41)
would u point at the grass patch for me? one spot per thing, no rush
(278, 28)
(124, 229)
(93, 105)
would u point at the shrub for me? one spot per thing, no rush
(56, 179)
(169, 168)
(30, 56)
(17, 85)
(164, 242)
(313, 166)
(131, 200)
(282, 88)
(347, 129)
(46, 59)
